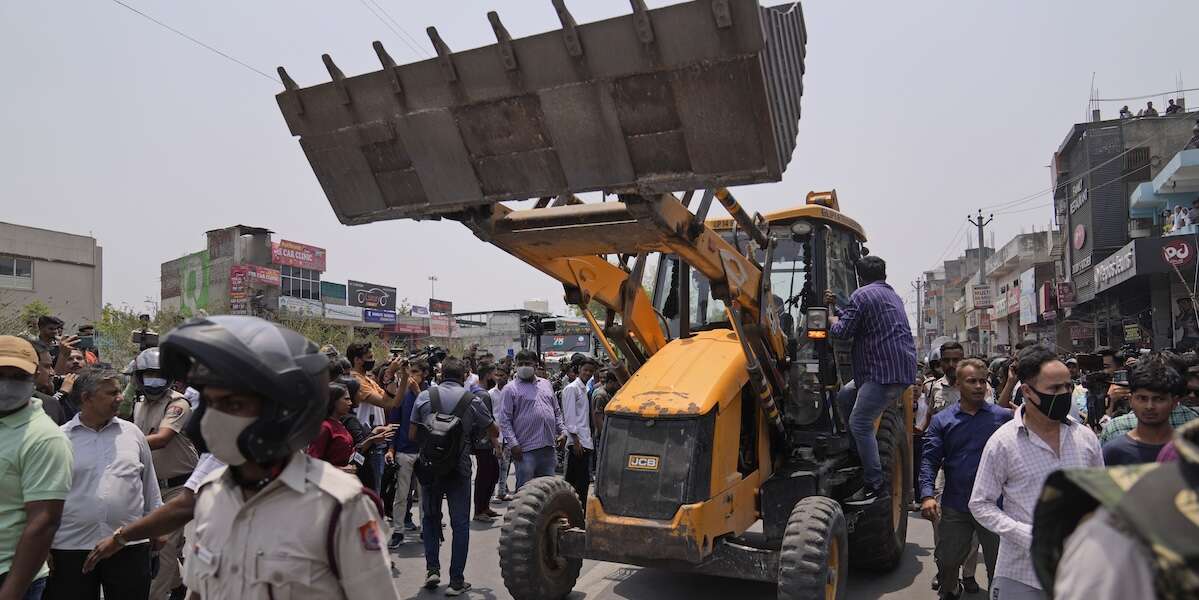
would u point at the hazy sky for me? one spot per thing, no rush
(916, 112)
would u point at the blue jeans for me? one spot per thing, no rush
(456, 491)
(35, 589)
(864, 405)
(535, 463)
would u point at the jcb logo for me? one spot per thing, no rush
(641, 462)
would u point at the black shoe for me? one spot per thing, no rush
(457, 588)
(863, 497)
(953, 596)
(970, 585)
(397, 540)
(432, 579)
(936, 582)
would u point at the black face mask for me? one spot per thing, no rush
(369, 365)
(1055, 406)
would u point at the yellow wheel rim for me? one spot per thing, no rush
(896, 492)
(834, 569)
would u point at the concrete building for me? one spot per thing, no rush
(62, 270)
(1003, 270)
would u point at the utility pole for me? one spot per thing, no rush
(980, 224)
(432, 286)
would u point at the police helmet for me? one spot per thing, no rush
(251, 355)
(148, 360)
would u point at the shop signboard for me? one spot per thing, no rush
(410, 326)
(245, 278)
(1117, 268)
(980, 295)
(377, 315)
(341, 312)
(1178, 253)
(444, 307)
(370, 295)
(333, 293)
(1132, 333)
(1065, 294)
(1082, 331)
(972, 320)
(1013, 300)
(1028, 297)
(295, 254)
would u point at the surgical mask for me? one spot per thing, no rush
(220, 431)
(154, 386)
(525, 373)
(368, 365)
(1055, 406)
(14, 393)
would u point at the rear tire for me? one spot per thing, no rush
(813, 564)
(881, 532)
(529, 562)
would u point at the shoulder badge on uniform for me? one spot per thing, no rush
(174, 412)
(370, 535)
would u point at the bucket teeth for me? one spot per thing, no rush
(289, 84)
(443, 54)
(570, 29)
(389, 66)
(645, 29)
(503, 41)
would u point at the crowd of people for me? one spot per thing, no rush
(1173, 107)
(234, 430)
(1002, 439)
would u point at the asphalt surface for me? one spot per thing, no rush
(910, 581)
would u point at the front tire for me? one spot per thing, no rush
(529, 560)
(814, 562)
(881, 532)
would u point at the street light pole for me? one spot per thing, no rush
(432, 286)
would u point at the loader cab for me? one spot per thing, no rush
(816, 249)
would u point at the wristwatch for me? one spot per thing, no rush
(119, 538)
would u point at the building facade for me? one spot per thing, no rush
(62, 270)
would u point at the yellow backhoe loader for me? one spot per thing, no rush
(726, 419)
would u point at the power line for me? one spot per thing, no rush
(1031, 197)
(393, 29)
(198, 42)
(1160, 94)
(417, 48)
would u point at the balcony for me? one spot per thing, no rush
(1021, 252)
(1177, 184)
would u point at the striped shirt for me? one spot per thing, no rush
(1181, 415)
(1015, 464)
(883, 349)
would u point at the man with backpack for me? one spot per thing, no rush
(445, 420)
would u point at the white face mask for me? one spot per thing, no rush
(14, 393)
(220, 431)
(525, 373)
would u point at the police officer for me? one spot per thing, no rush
(275, 523)
(1122, 532)
(161, 414)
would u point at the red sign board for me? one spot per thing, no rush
(1065, 294)
(1178, 253)
(444, 307)
(295, 254)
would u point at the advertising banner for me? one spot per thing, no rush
(1028, 297)
(374, 315)
(343, 313)
(439, 326)
(370, 295)
(410, 326)
(981, 295)
(193, 279)
(245, 278)
(444, 307)
(1065, 294)
(300, 306)
(295, 254)
(420, 311)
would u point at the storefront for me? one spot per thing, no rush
(1144, 294)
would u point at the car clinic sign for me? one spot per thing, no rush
(295, 254)
(370, 295)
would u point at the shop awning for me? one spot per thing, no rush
(1180, 175)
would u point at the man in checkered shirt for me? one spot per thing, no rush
(1040, 439)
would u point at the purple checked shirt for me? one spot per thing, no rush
(529, 415)
(883, 349)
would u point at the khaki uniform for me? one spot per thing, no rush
(278, 544)
(175, 461)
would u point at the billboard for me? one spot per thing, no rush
(376, 315)
(1028, 297)
(300, 306)
(295, 254)
(243, 279)
(439, 326)
(343, 313)
(420, 311)
(444, 307)
(193, 283)
(370, 295)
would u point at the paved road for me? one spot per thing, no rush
(610, 581)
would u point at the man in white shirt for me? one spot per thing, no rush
(576, 412)
(1040, 439)
(113, 484)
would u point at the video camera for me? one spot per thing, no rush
(431, 355)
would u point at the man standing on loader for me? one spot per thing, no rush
(884, 364)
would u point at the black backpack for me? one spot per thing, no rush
(445, 437)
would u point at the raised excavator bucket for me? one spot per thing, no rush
(695, 95)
